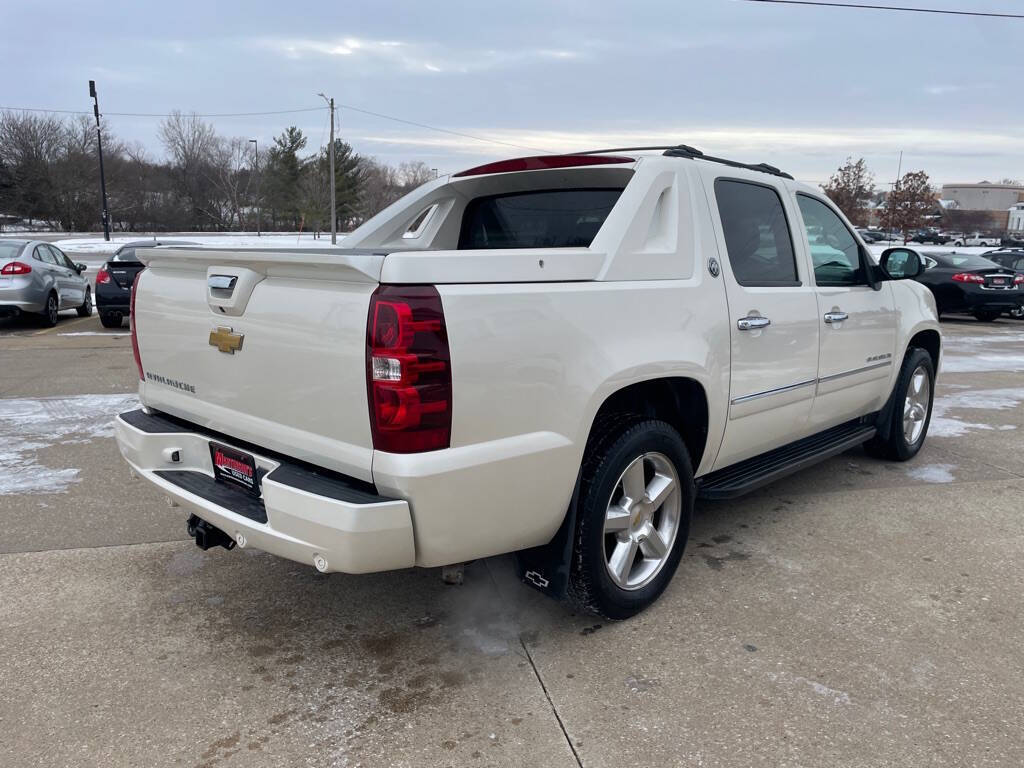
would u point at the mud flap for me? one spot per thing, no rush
(546, 568)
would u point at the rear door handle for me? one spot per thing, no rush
(836, 317)
(752, 322)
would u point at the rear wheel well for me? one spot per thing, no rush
(679, 401)
(930, 342)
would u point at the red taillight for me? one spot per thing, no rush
(102, 276)
(1018, 280)
(408, 370)
(543, 162)
(15, 268)
(967, 277)
(135, 336)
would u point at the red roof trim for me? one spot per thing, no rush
(543, 162)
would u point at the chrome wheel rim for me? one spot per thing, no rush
(915, 407)
(641, 521)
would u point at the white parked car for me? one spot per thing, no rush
(978, 239)
(552, 356)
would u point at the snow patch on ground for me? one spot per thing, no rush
(29, 425)
(100, 247)
(998, 350)
(982, 363)
(943, 425)
(933, 473)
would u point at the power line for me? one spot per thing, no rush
(157, 114)
(338, 105)
(865, 6)
(439, 130)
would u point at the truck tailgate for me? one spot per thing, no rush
(267, 346)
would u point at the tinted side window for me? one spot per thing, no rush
(45, 254)
(61, 257)
(756, 233)
(556, 218)
(835, 252)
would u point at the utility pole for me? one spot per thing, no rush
(259, 208)
(99, 147)
(899, 170)
(334, 209)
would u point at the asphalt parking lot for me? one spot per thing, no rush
(858, 614)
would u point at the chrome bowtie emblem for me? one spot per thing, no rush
(226, 340)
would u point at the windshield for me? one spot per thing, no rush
(556, 218)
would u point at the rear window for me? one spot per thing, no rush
(555, 218)
(9, 250)
(966, 261)
(125, 254)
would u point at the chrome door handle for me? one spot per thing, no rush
(752, 322)
(222, 282)
(836, 317)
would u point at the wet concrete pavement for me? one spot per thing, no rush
(860, 613)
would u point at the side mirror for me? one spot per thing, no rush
(901, 263)
(80, 268)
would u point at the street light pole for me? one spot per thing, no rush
(334, 209)
(99, 148)
(259, 209)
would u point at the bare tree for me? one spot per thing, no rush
(28, 146)
(191, 144)
(851, 189)
(231, 174)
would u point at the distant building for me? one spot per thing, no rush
(983, 196)
(1016, 222)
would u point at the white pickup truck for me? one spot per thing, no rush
(552, 356)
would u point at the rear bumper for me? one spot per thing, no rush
(17, 299)
(977, 299)
(110, 297)
(302, 514)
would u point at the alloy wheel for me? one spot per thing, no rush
(641, 520)
(915, 407)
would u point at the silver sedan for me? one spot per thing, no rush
(37, 278)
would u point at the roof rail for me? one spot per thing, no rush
(685, 150)
(688, 149)
(695, 154)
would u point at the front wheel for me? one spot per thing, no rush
(635, 502)
(987, 316)
(911, 409)
(86, 309)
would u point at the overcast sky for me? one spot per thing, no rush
(795, 86)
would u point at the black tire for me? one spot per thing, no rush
(897, 446)
(987, 317)
(86, 309)
(52, 311)
(616, 442)
(111, 320)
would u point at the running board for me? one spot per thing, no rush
(749, 475)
